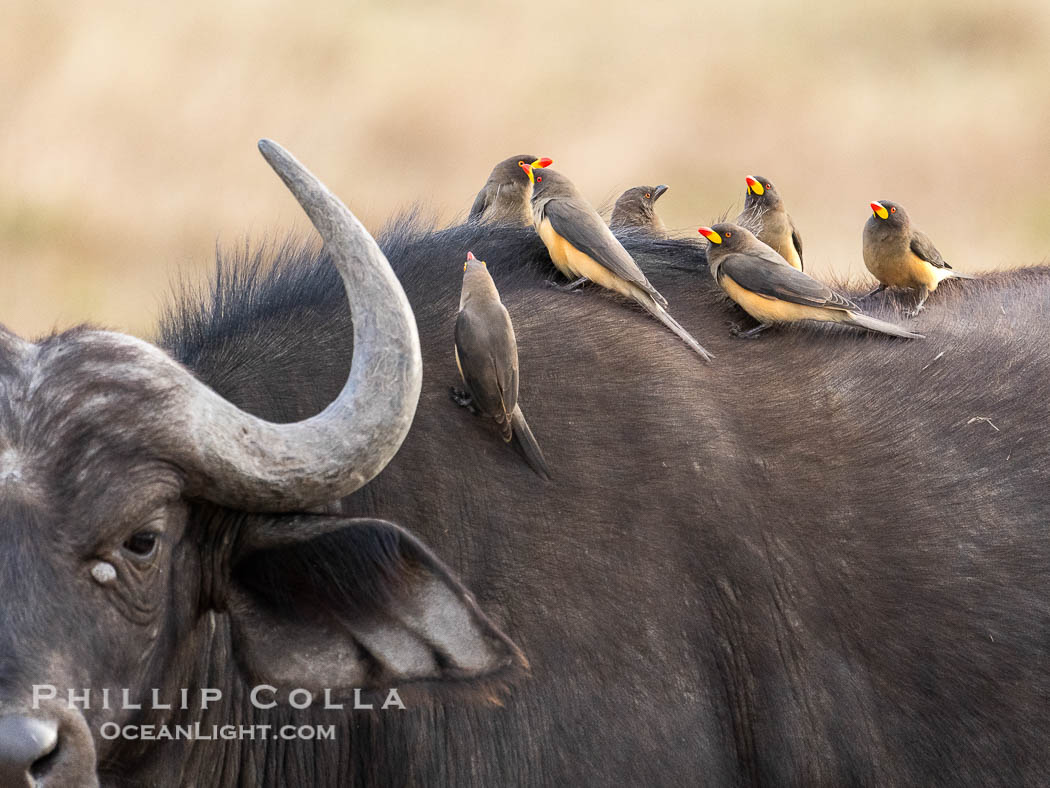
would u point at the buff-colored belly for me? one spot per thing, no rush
(904, 269)
(773, 310)
(777, 235)
(574, 263)
(786, 249)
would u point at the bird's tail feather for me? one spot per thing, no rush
(526, 441)
(950, 273)
(657, 297)
(874, 324)
(664, 317)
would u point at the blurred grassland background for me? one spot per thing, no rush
(128, 129)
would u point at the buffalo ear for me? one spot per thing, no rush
(324, 602)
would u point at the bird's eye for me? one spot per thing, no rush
(893, 210)
(769, 185)
(539, 178)
(142, 544)
(648, 195)
(521, 163)
(729, 235)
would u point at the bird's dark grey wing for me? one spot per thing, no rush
(580, 225)
(773, 279)
(489, 359)
(507, 353)
(796, 239)
(923, 248)
(481, 202)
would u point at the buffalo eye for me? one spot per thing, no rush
(143, 544)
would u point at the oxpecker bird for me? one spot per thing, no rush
(899, 254)
(583, 248)
(504, 199)
(765, 215)
(487, 357)
(772, 292)
(637, 208)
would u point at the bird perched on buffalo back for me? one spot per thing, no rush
(487, 357)
(583, 248)
(757, 278)
(899, 254)
(637, 208)
(765, 215)
(504, 199)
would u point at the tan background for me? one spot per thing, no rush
(127, 129)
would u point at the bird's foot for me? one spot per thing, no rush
(736, 332)
(571, 287)
(463, 399)
(924, 293)
(873, 293)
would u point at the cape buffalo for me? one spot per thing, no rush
(821, 560)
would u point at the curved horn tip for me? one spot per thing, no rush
(292, 171)
(272, 150)
(328, 214)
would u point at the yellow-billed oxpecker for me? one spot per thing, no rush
(584, 249)
(504, 199)
(765, 215)
(636, 208)
(487, 357)
(899, 254)
(758, 279)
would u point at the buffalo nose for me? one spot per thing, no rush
(24, 743)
